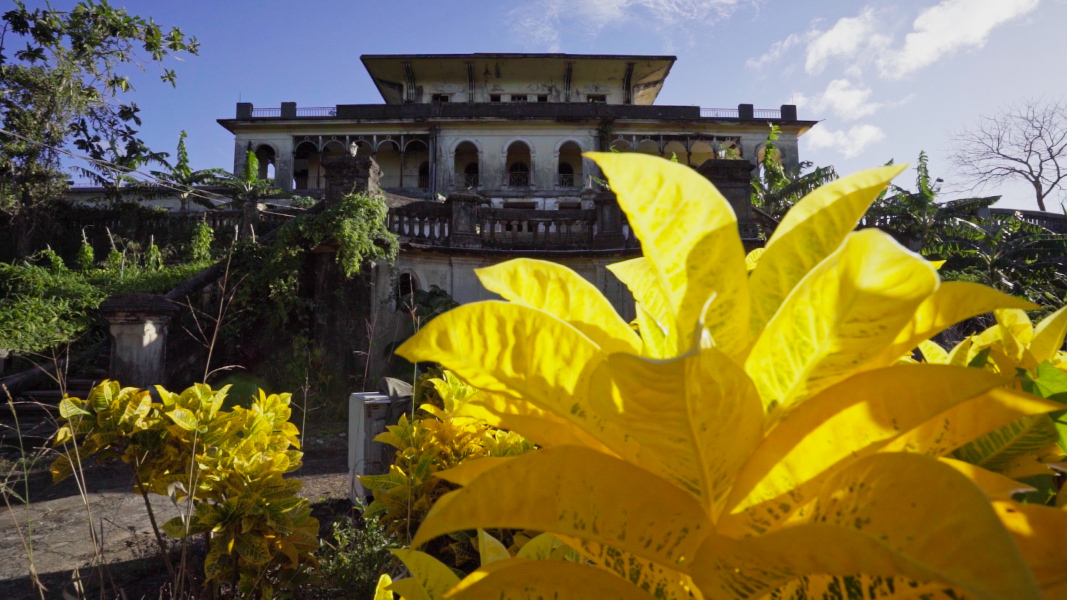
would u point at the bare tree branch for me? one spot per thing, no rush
(1025, 141)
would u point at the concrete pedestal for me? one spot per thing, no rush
(138, 326)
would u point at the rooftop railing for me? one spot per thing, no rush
(317, 111)
(718, 113)
(259, 113)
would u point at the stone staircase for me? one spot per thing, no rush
(30, 418)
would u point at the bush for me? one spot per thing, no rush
(358, 556)
(223, 468)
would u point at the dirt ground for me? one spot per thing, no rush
(55, 524)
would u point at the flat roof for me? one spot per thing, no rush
(393, 73)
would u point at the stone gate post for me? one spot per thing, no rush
(138, 325)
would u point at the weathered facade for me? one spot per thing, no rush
(502, 136)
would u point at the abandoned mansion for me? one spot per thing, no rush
(480, 156)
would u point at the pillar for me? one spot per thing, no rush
(733, 179)
(463, 226)
(608, 219)
(138, 326)
(349, 175)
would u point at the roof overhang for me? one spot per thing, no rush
(391, 72)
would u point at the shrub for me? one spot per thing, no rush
(356, 559)
(440, 438)
(756, 435)
(227, 466)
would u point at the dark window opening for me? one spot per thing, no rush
(494, 97)
(515, 98)
(440, 98)
(470, 175)
(570, 205)
(596, 98)
(424, 174)
(542, 97)
(405, 287)
(519, 175)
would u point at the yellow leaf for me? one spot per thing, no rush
(969, 420)
(1016, 322)
(953, 302)
(691, 420)
(828, 431)
(650, 576)
(577, 492)
(520, 352)
(845, 312)
(468, 470)
(1039, 532)
(689, 233)
(523, 579)
(874, 518)
(937, 264)
(564, 294)
(1048, 336)
(381, 591)
(542, 427)
(490, 550)
(430, 578)
(183, 418)
(541, 547)
(994, 485)
(933, 353)
(654, 314)
(752, 259)
(812, 230)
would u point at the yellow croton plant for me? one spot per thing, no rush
(760, 433)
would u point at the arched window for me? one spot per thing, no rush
(569, 168)
(305, 166)
(465, 165)
(265, 156)
(424, 174)
(388, 159)
(518, 164)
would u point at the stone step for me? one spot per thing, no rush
(51, 396)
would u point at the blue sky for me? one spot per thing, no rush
(887, 78)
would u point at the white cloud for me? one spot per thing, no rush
(849, 143)
(868, 40)
(948, 27)
(849, 38)
(779, 49)
(543, 21)
(843, 98)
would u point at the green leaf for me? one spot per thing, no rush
(175, 528)
(68, 407)
(996, 449)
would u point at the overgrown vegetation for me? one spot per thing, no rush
(47, 303)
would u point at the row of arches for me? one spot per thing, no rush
(518, 165)
(404, 163)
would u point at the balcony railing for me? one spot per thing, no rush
(518, 180)
(266, 112)
(467, 181)
(569, 180)
(466, 224)
(767, 113)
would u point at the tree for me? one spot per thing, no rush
(1010, 254)
(181, 180)
(1026, 141)
(65, 87)
(776, 189)
(917, 218)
